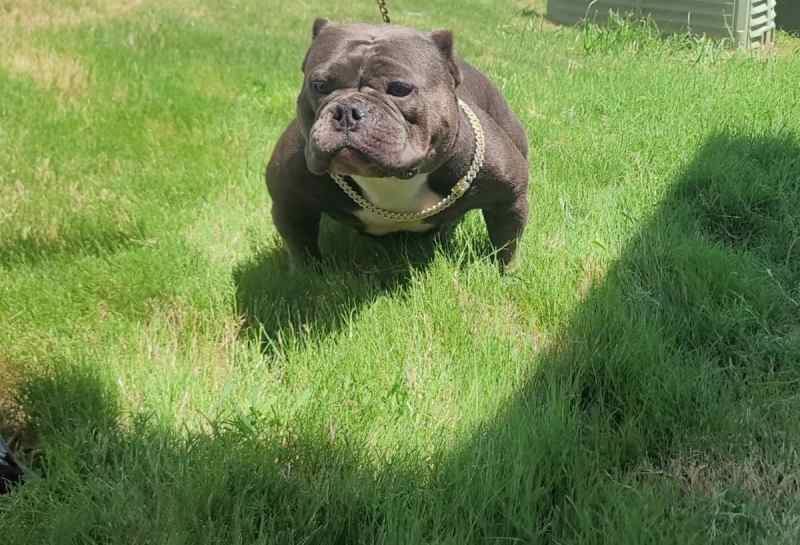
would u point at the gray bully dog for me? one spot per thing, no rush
(395, 133)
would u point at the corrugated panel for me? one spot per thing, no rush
(746, 21)
(762, 22)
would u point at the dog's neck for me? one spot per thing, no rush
(398, 195)
(458, 158)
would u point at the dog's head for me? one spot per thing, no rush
(378, 101)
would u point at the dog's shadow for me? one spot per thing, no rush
(279, 304)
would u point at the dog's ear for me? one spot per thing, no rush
(319, 24)
(444, 41)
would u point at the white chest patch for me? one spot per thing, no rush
(397, 195)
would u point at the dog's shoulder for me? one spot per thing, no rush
(481, 91)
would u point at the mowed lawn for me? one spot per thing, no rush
(169, 381)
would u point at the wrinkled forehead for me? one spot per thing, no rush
(358, 50)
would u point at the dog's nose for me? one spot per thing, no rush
(347, 116)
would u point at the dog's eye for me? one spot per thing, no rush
(321, 86)
(399, 88)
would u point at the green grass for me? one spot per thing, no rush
(169, 381)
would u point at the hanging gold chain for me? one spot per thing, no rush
(456, 192)
(384, 11)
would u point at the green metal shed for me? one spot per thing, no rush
(749, 23)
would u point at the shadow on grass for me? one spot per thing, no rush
(73, 241)
(689, 343)
(278, 303)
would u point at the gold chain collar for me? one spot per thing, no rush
(384, 11)
(456, 192)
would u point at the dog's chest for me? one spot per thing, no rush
(397, 195)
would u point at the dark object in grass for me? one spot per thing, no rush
(379, 107)
(10, 471)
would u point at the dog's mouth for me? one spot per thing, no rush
(352, 161)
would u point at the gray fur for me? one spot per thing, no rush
(348, 122)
